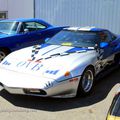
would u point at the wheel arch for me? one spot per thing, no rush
(90, 66)
(5, 48)
(4, 52)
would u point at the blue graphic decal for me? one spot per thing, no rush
(54, 72)
(6, 63)
(44, 45)
(21, 64)
(97, 29)
(36, 49)
(36, 67)
(49, 84)
(29, 65)
(76, 49)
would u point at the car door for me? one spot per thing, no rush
(30, 33)
(107, 53)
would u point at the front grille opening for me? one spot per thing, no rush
(34, 91)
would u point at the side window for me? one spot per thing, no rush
(40, 26)
(105, 36)
(21, 28)
(31, 26)
(113, 37)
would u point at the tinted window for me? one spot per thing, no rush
(40, 26)
(32, 26)
(113, 37)
(106, 36)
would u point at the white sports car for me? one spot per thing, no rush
(65, 66)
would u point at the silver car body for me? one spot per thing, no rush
(53, 72)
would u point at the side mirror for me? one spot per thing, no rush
(47, 39)
(104, 44)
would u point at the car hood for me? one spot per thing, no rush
(2, 35)
(51, 61)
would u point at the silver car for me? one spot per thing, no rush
(65, 66)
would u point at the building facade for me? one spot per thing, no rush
(99, 13)
(16, 9)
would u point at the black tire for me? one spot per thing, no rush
(3, 53)
(85, 86)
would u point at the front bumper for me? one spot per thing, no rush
(49, 93)
(26, 84)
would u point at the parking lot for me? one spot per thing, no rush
(92, 107)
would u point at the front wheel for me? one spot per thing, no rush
(86, 82)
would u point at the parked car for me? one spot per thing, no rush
(114, 111)
(65, 66)
(19, 33)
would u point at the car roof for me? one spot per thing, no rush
(26, 20)
(87, 28)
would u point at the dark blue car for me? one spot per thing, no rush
(19, 33)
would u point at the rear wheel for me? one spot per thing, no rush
(86, 82)
(3, 53)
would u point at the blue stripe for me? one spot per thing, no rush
(76, 49)
(97, 29)
(44, 45)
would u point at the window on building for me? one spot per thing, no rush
(3, 15)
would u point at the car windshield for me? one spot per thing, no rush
(8, 27)
(75, 38)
